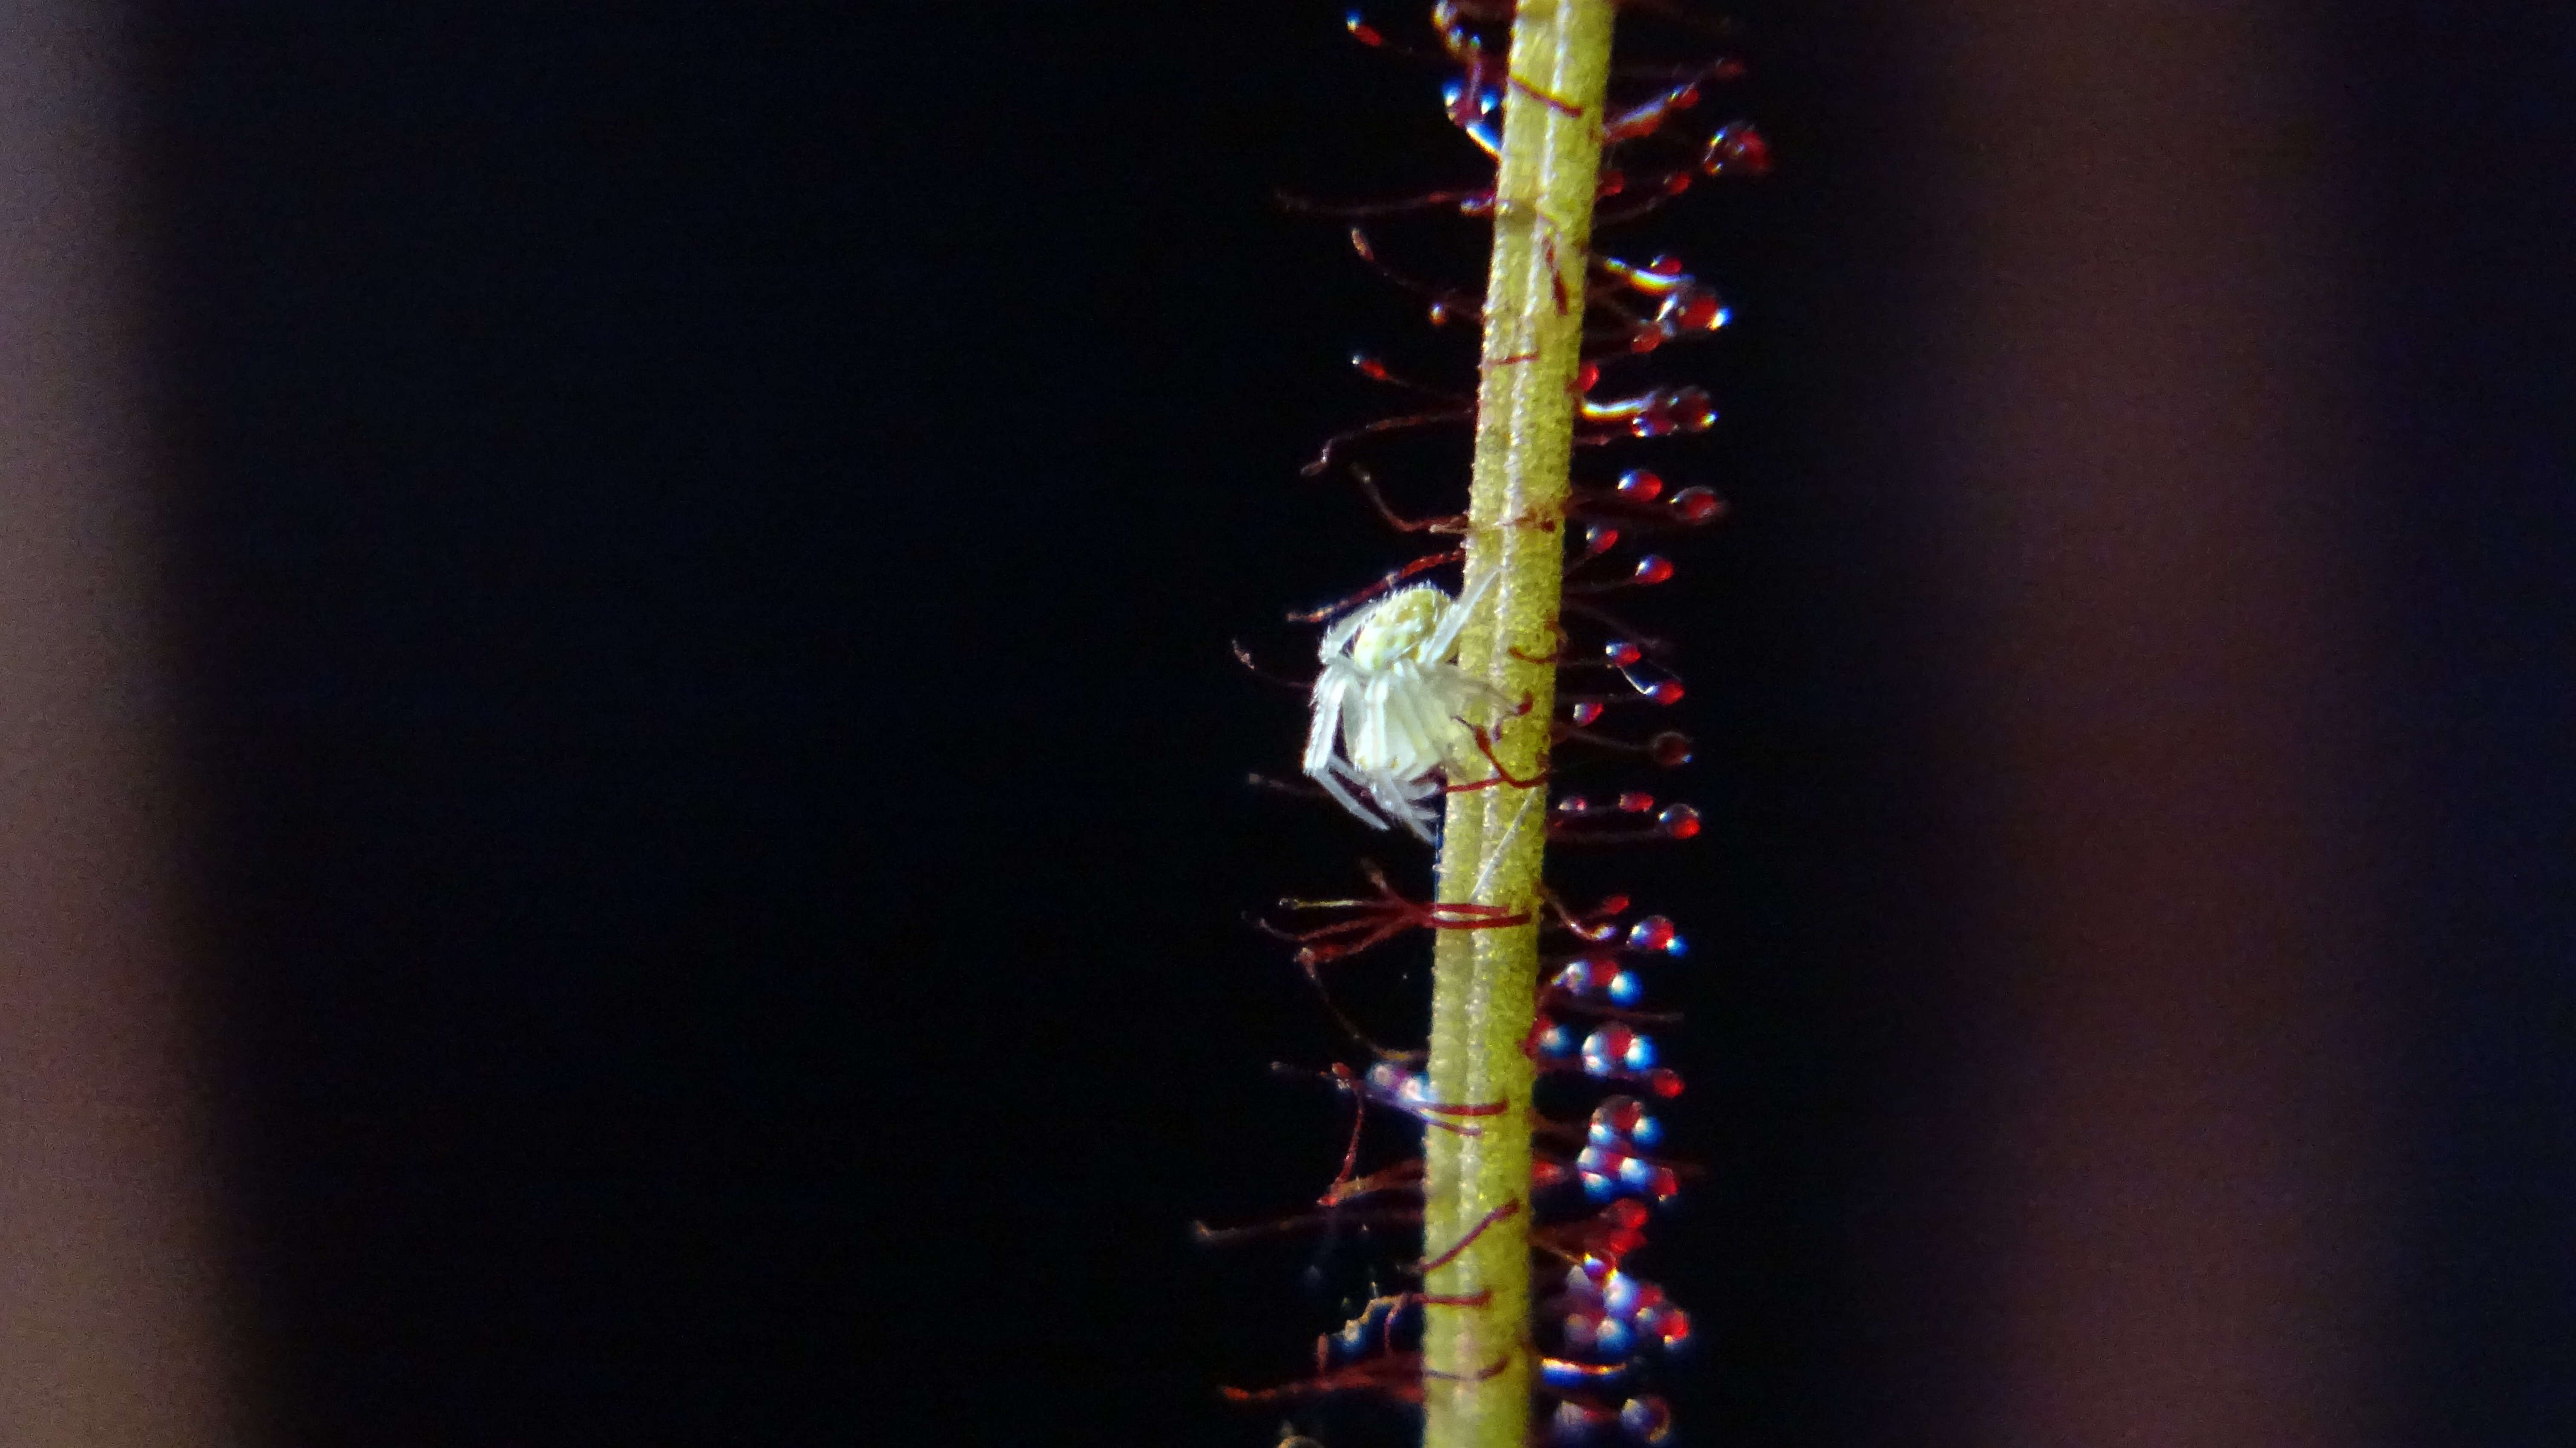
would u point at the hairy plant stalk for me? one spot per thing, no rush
(1477, 1350)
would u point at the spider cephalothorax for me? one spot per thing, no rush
(1397, 705)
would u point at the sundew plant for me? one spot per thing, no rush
(1501, 1173)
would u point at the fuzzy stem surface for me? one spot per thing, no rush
(1478, 1356)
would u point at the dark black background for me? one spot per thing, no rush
(705, 546)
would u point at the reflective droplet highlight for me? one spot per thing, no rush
(1646, 1418)
(1697, 505)
(1736, 150)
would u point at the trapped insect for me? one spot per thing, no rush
(1397, 705)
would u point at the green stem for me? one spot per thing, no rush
(1476, 1348)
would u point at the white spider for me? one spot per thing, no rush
(1395, 701)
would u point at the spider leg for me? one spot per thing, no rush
(1329, 694)
(1320, 765)
(1368, 738)
(1410, 752)
(1390, 797)
(1406, 716)
(1436, 648)
(1416, 816)
(1423, 818)
(1366, 782)
(1341, 794)
(1371, 743)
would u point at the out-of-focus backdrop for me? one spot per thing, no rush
(622, 814)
